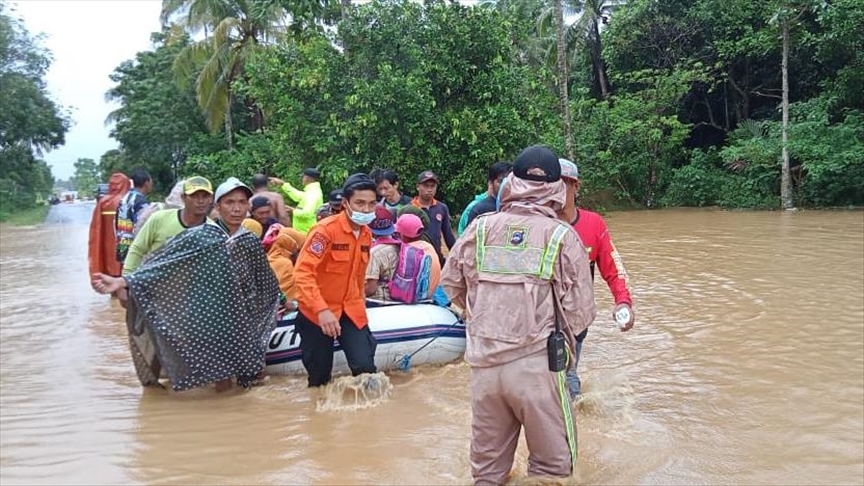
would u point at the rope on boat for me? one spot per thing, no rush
(404, 363)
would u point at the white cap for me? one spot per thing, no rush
(568, 169)
(229, 185)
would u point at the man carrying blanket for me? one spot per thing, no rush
(207, 299)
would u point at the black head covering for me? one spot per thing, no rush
(537, 157)
(259, 202)
(335, 197)
(356, 180)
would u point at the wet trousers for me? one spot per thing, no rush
(358, 344)
(574, 383)
(505, 398)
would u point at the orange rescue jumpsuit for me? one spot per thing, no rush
(331, 274)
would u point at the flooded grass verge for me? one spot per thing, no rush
(24, 217)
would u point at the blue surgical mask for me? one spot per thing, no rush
(362, 219)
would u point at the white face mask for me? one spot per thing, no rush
(362, 219)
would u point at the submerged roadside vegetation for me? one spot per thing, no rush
(25, 217)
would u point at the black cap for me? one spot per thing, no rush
(312, 172)
(335, 197)
(355, 180)
(427, 175)
(537, 163)
(259, 202)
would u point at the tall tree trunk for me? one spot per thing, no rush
(563, 96)
(236, 68)
(785, 178)
(597, 60)
(229, 123)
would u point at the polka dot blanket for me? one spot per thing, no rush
(202, 308)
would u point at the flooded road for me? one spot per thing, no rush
(746, 366)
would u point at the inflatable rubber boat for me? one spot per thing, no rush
(428, 333)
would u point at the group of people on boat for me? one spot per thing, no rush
(206, 275)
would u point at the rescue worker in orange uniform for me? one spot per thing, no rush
(330, 275)
(102, 247)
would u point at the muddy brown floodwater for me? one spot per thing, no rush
(746, 366)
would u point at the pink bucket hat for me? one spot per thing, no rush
(409, 225)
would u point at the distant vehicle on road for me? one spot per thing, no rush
(53, 199)
(101, 190)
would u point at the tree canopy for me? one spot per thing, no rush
(671, 102)
(158, 122)
(30, 121)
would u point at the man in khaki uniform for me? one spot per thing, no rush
(502, 272)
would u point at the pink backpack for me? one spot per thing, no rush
(410, 282)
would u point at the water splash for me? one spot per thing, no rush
(355, 392)
(608, 393)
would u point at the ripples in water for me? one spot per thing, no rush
(746, 366)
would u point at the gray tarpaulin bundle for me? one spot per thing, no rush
(201, 309)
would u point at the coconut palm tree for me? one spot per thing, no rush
(563, 92)
(233, 31)
(584, 32)
(532, 49)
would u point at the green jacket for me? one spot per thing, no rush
(463, 220)
(308, 200)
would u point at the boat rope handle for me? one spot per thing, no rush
(405, 360)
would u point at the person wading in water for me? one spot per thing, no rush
(523, 277)
(330, 275)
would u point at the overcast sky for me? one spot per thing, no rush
(88, 39)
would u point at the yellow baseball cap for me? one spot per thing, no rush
(195, 184)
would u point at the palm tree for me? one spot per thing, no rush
(563, 93)
(587, 28)
(584, 32)
(234, 30)
(532, 49)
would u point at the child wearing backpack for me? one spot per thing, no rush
(383, 257)
(402, 267)
(418, 272)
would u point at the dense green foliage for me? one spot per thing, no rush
(732, 154)
(30, 122)
(158, 124)
(432, 88)
(672, 102)
(86, 176)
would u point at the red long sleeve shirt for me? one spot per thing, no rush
(595, 236)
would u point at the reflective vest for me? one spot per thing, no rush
(517, 258)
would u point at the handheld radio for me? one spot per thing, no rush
(556, 344)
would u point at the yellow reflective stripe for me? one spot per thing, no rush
(539, 262)
(552, 250)
(481, 242)
(108, 213)
(569, 424)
